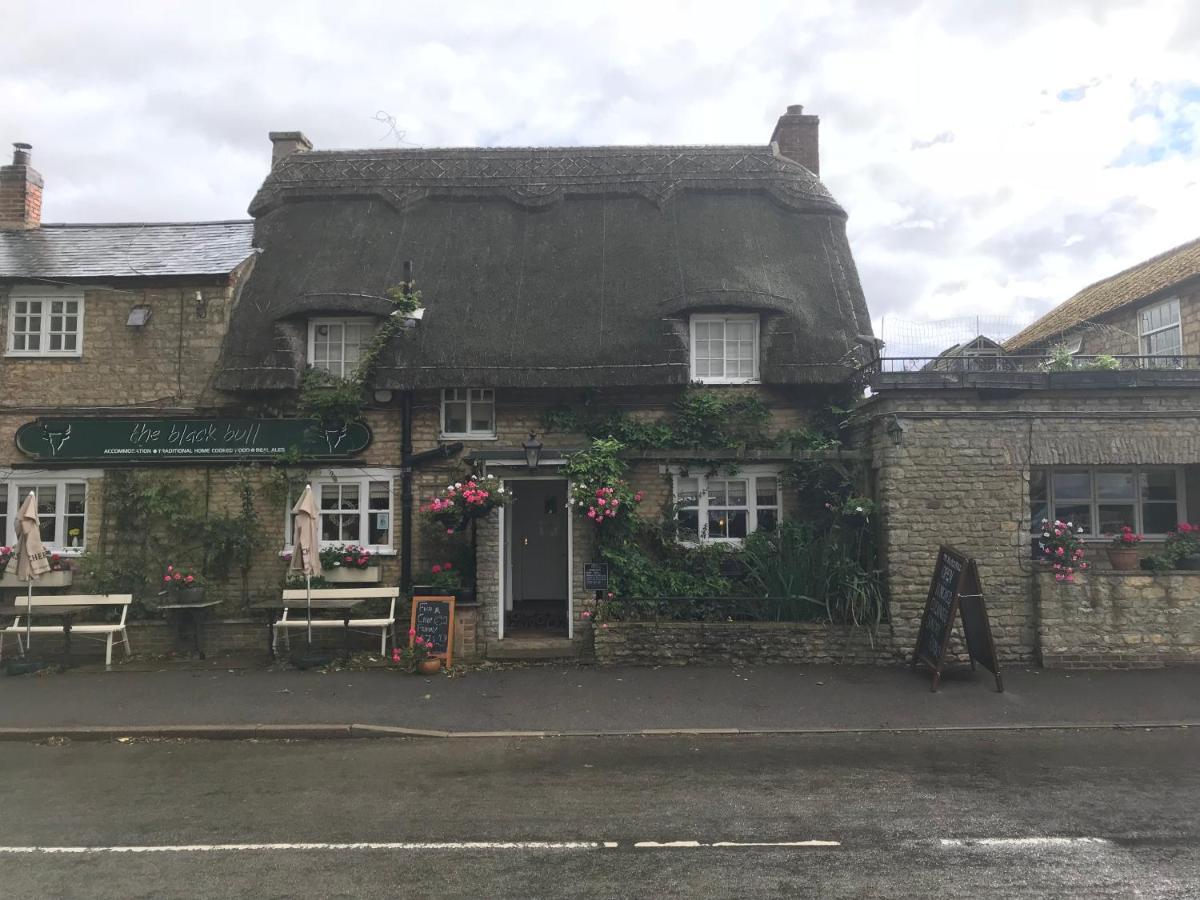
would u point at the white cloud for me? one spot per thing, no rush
(973, 143)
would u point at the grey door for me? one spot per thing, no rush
(539, 540)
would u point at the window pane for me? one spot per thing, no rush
(379, 518)
(456, 417)
(736, 493)
(688, 492)
(689, 524)
(482, 412)
(717, 524)
(1158, 484)
(737, 523)
(1114, 515)
(1072, 486)
(1115, 486)
(767, 519)
(380, 496)
(765, 491)
(1159, 518)
(1078, 514)
(76, 499)
(716, 492)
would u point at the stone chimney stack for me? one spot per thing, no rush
(20, 192)
(796, 136)
(285, 143)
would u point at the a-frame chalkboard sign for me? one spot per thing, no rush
(956, 588)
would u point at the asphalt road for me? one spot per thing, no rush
(1005, 814)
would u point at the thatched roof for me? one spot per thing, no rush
(570, 266)
(1140, 282)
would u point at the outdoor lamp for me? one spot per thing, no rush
(533, 451)
(138, 316)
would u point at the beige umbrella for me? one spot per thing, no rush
(306, 545)
(32, 559)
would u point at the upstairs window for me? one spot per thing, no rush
(1160, 330)
(45, 322)
(469, 413)
(725, 349)
(337, 345)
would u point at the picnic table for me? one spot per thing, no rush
(343, 604)
(194, 612)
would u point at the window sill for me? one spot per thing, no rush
(714, 381)
(374, 551)
(25, 354)
(479, 436)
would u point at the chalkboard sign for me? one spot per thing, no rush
(433, 620)
(595, 576)
(955, 587)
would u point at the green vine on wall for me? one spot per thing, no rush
(336, 400)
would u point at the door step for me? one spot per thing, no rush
(518, 648)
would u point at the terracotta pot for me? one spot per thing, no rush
(430, 666)
(1123, 559)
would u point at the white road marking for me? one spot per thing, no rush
(655, 845)
(356, 845)
(1026, 842)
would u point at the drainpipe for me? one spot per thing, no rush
(406, 491)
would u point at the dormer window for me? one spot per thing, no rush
(725, 349)
(337, 345)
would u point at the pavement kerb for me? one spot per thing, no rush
(327, 731)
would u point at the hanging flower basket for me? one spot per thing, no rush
(464, 501)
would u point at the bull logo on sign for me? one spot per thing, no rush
(56, 439)
(335, 436)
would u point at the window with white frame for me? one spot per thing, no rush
(45, 322)
(337, 345)
(469, 412)
(726, 508)
(1149, 499)
(1160, 330)
(61, 509)
(354, 506)
(725, 349)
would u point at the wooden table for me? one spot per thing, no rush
(196, 613)
(343, 604)
(66, 613)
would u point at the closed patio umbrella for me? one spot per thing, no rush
(32, 559)
(306, 545)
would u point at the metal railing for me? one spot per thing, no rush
(1035, 363)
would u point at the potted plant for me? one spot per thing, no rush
(1122, 552)
(464, 501)
(348, 563)
(444, 578)
(1060, 546)
(1183, 547)
(418, 656)
(182, 585)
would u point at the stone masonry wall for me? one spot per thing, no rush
(1119, 620)
(738, 643)
(952, 467)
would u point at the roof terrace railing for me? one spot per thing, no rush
(1033, 363)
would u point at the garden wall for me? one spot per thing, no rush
(1119, 620)
(739, 643)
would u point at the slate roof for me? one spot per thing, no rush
(549, 266)
(1155, 275)
(124, 250)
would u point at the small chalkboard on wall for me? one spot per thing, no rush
(433, 620)
(956, 588)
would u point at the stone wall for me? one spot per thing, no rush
(952, 467)
(1117, 333)
(740, 643)
(1119, 620)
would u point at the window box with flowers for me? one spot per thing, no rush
(349, 564)
(60, 574)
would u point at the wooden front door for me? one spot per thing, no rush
(539, 553)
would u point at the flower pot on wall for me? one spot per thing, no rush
(1189, 563)
(345, 575)
(49, 580)
(1123, 559)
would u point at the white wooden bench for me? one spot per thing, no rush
(295, 613)
(65, 607)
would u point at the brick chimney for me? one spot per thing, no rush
(20, 192)
(796, 136)
(285, 143)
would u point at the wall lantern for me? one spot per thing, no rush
(138, 316)
(533, 451)
(895, 430)
(383, 395)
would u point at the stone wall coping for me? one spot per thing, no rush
(750, 626)
(1114, 573)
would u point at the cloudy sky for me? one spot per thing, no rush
(993, 157)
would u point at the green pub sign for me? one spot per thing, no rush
(163, 440)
